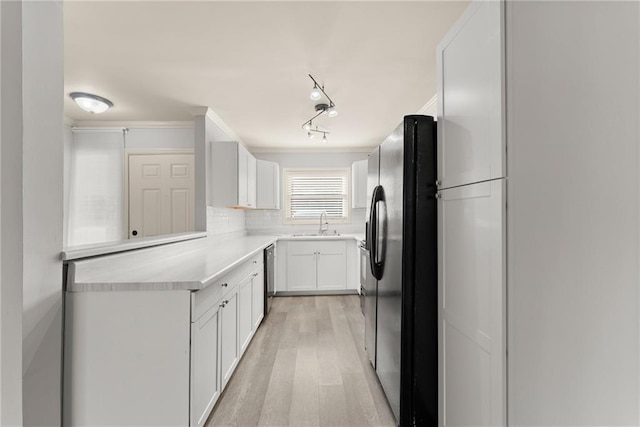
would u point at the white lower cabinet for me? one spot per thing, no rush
(315, 265)
(301, 266)
(205, 382)
(157, 357)
(245, 326)
(228, 337)
(257, 311)
(228, 314)
(332, 266)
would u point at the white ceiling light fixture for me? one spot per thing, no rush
(92, 103)
(328, 107)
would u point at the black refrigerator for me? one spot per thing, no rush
(402, 243)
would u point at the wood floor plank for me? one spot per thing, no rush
(306, 366)
(333, 406)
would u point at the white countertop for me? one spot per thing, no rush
(97, 249)
(187, 265)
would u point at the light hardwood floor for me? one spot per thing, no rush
(306, 366)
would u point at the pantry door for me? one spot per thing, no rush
(161, 193)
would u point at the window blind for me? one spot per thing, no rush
(309, 192)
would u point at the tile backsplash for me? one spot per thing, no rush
(224, 220)
(270, 221)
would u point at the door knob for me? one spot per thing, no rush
(134, 232)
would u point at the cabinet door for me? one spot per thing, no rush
(205, 383)
(243, 176)
(228, 337)
(244, 313)
(471, 293)
(258, 286)
(359, 184)
(332, 265)
(301, 266)
(251, 181)
(268, 185)
(471, 142)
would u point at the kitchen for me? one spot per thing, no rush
(571, 305)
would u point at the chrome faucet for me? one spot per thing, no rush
(324, 226)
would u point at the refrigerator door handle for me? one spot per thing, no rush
(376, 262)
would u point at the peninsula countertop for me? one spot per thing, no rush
(187, 265)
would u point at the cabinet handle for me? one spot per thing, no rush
(255, 274)
(224, 285)
(255, 262)
(223, 304)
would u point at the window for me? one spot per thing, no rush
(309, 192)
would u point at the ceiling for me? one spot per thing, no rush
(249, 62)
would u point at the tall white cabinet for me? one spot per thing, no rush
(538, 214)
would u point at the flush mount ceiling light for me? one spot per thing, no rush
(328, 108)
(91, 103)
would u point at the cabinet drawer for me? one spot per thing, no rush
(204, 299)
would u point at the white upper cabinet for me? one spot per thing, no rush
(359, 184)
(471, 137)
(268, 185)
(233, 172)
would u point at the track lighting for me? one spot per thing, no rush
(91, 103)
(311, 133)
(328, 108)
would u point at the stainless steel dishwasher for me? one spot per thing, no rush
(269, 277)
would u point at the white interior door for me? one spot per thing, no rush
(161, 194)
(472, 308)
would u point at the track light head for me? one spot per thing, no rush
(315, 93)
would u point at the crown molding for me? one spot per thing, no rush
(136, 124)
(208, 112)
(430, 103)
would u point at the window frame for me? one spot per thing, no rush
(345, 172)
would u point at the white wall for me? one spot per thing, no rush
(272, 220)
(66, 179)
(42, 73)
(11, 226)
(158, 138)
